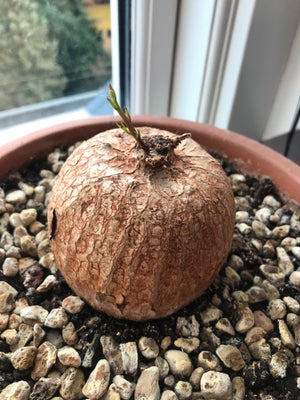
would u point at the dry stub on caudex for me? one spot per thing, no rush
(139, 233)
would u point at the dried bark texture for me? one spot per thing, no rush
(137, 242)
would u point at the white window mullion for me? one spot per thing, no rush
(220, 27)
(115, 53)
(211, 40)
(194, 27)
(287, 97)
(153, 34)
(230, 66)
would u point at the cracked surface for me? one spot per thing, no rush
(135, 242)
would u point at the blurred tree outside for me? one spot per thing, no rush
(49, 49)
(80, 46)
(29, 71)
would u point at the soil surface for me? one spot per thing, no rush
(268, 296)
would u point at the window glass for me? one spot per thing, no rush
(52, 49)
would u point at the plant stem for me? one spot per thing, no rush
(127, 124)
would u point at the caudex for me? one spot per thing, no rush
(144, 220)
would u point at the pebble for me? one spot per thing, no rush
(244, 228)
(163, 367)
(179, 362)
(216, 385)
(112, 393)
(188, 345)
(281, 231)
(231, 357)
(286, 335)
(241, 216)
(256, 294)
(54, 337)
(195, 377)
(165, 342)
(3, 321)
(296, 252)
(246, 321)
(263, 321)
(294, 279)
(16, 197)
(124, 387)
(7, 297)
(183, 390)
(129, 355)
(10, 266)
(187, 326)
(254, 334)
(260, 350)
(263, 214)
(268, 249)
(14, 252)
(295, 223)
(45, 388)
(236, 262)
(45, 359)
(211, 314)
(48, 262)
(25, 333)
(284, 261)
(57, 318)
(23, 357)
(72, 382)
(280, 362)
(242, 203)
(98, 381)
(147, 386)
(168, 395)
(11, 337)
(48, 283)
(148, 347)
(112, 353)
(260, 230)
(271, 202)
(68, 356)
(69, 334)
(38, 335)
(28, 245)
(240, 296)
(209, 361)
(7, 240)
(170, 380)
(34, 314)
(238, 388)
(39, 194)
(223, 326)
(16, 391)
(273, 273)
(73, 304)
(292, 304)
(15, 220)
(28, 216)
(276, 309)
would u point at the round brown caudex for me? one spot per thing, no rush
(139, 239)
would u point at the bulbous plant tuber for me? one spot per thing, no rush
(140, 232)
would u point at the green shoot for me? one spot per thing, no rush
(126, 125)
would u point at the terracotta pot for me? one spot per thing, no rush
(251, 156)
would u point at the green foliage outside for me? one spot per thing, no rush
(49, 48)
(28, 68)
(79, 43)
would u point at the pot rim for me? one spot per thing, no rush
(251, 156)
